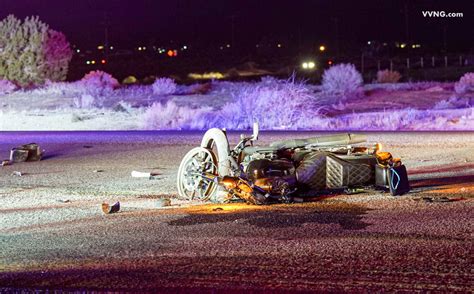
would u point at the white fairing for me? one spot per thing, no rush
(216, 137)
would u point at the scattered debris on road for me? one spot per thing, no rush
(437, 199)
(27, 152)
(17, 173)
(6, 162)
(64, 200)
(108, 209)
(98, 171)
(137, 174)
(18, 155)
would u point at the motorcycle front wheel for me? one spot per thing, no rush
(195, 174)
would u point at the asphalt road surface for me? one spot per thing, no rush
(54, 236)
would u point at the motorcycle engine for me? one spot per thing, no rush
(266, 168)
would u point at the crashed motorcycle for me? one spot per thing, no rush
(286, 170)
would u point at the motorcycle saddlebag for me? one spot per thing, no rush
(341, 173)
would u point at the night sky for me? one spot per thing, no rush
(210, 22)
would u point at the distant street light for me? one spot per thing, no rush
(322, 48)
(308, 65)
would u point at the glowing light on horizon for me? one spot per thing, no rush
(308, 65)
(206, 76)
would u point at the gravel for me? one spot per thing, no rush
(53, 234)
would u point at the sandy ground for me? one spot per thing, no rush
(54, 236)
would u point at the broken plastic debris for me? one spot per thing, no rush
(17, 173)
(64, 200)
(98, 170)
(34, 151)
(18, 155)
(6, 162)
(108, 209)
(437, 199)
(137, 174)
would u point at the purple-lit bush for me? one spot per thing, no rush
(59, 88)
(85, 101)
(170, 116)
(97, 82)
(274, 104)
(6, 87)
(57, 55)
(342, 79)
(388, 76)
(465, 84)
(453, 102)
(31, 52)
(164, 86)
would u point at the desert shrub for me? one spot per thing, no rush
(85, 101)
(59, 88)
(341, 79)
(411, 86)
(465, 84)
(6, 87)
(453, 102)
(31, 52)
(134, 92)
(274, 104)
(98, 81)
(199, 89)
(388, 76)
(170, 116)
(164, 86)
